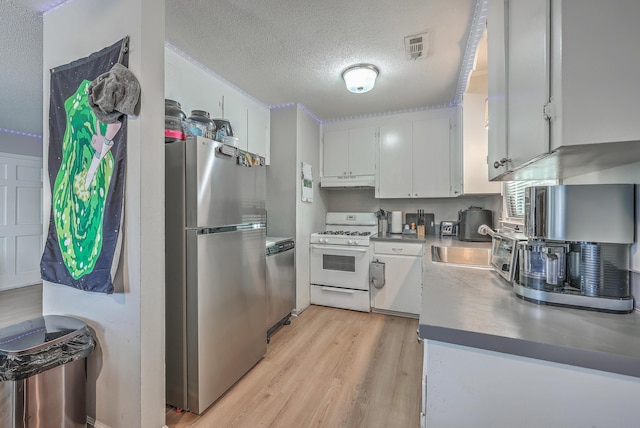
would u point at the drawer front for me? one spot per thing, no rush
(398, 248)
(356, 300)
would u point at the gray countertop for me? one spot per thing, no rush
(477, 308)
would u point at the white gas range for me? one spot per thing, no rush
(339, 261)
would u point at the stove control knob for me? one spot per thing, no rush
(353, 242)
(323, 241)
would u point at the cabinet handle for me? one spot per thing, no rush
(396, 250)
(338, 290)
(501, 162)
(418, 334)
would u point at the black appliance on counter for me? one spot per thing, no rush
(470, 220)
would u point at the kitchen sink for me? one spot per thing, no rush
(461, 255)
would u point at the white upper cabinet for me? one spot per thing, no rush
(362, 151)
(336, 153)
(431, 158)
(395, 175)
(348, 157)
(195, 89)
(474, 152)
(563, 87)
(417, 158)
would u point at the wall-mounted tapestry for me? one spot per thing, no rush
(87, 159)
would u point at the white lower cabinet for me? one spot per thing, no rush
(423, 401)
(402, 289)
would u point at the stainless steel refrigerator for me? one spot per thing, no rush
(215, 269)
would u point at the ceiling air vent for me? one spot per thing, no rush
(417, 46)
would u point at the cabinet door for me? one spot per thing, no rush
(235, 111)
(527, 80)
(362, 154)
(497, 80)
(258, 131)
(431, 158)
(475, 147)
(403, 284)
(336, 153)
(395, 173)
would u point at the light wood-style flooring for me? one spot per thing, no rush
(329, 368)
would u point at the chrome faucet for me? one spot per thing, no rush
(486, 230)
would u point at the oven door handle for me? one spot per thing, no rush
(340, 248)
(338, 290)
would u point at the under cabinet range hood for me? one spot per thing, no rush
(349, 181)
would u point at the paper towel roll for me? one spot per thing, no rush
(396, 221)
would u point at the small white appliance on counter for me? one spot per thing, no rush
(339, 261)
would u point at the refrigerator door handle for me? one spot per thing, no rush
(230, 228)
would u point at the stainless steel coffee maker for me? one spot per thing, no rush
(578, 246)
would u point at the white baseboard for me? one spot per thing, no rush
(92, 423)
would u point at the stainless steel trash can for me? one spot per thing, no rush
(43, 372)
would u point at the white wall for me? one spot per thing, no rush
(309, 216)
(126, 372)
(475, 142)
(442, 208)
(282, 175)
(20, 144)
(197, 88)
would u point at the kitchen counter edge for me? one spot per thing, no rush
(478, 309)
(397, 237)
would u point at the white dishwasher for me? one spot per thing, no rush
(280, 283)
(401, 292)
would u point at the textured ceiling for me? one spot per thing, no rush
(21, 53)
(292, 51)
(277, 51)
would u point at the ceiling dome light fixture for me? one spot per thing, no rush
(360, 78)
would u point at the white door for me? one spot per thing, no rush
(395, 175)
(20, 220)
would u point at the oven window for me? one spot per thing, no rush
(339, 263)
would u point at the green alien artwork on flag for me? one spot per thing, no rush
(78, 198)
(86, 160)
